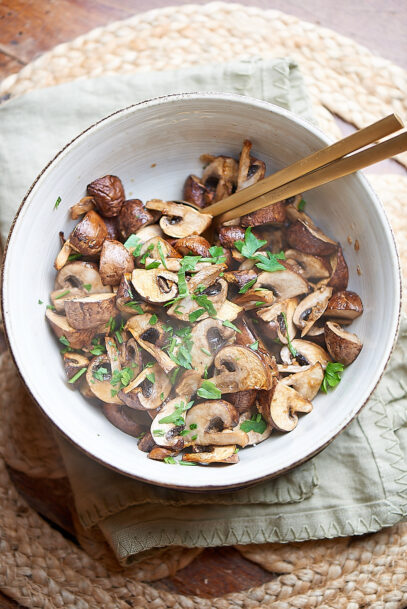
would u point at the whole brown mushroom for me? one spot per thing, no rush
(115, 260)
(133, 216)
(108, 195)
(88, 235)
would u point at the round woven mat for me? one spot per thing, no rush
(38, 566)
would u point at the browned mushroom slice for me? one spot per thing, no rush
(112, 353)
(272, 214)
(74, 363)
(148, 232)
(189, 383)
(195, 192)
(99, 376)
(160, 453)
(168, 424)
(88, 235)
(81, 275)
(311, 267)
(241, 277)
(310, 239)
(280, 405)
(228, 235)
(255, 299)
(316, 333)
(284, 284)
(194, 244)
(248, 338)
(82, 207)
(126, 302)
(179, 220)
(214, 422)
(90, 311)
(210, 286)
(148, 390)
(155, 285)
(243, 401)
(340, 273)
(115, 260)
(273, 316)
(240, 368)
(207, 337)
(151, 338)
(229, 311)
(255, 437)
(63, 255)
(220, 176)
(112, 228)
(59, 297)
(250, 170)
(311, 308)
(125, 419)
(306, 382)
(218, 454)
(157, 248)
(130, 355)
(345, 305)
(344, 347)
(146, 442)
(133, 216)
(77, 339)
(308, 353)
(108, 195)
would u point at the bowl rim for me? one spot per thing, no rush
(157, 101)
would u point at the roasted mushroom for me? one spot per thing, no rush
(76, 339)
(310, 239)
(108, 195)
(179, 220)
(75, 363)
(311, 309)
(277, 325)
(88, 235)
(280, 405)
(240, 368)
(195, 192)
(208, 337)
(125, 419)
(133, 216)
(99, 377)
(250, 170)
(307, 353)
(311, 267)
(80, 275)
(218, 454)
(115, 260)
(228, 235)
(194, 244)
(306, 382)
(340, 272)
(344, 347)
(90, 311)
(148, 390)
(168, 424)
(220, 176)
(155, 285)
(344, 306)
(214, 423)
(284, 284)
(151, 338)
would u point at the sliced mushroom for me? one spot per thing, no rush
(155, 285)
(130, 355)
(240, 368)
(229, 311)
(63, 255)
(125, 419)
(98, 376)
(90, 311)
(241, 277)
(115, 260)
(146, 443)
(312, 267)
(307, 354)
(344, 347)
(148, 232)
(157, 248)
(82, 207)
(250, 170)
(228, 235)
(133, 216)
(254, 436)
(194, 244)
(220, 176)
(249, 339)
(306, 382)
(345, 305)
(73, 363)
(280, 405)
(189, 383)
(254, 298)
(243, 401)
(160, 453)
(195, 192)
(77, 338)
(209, 284)
(311, 308)
(179, 220)
(273, 316)
(284, 284)
(272, 214)
(108, 195)
(148, 390)
(316, 333)
(207, 337)
(112, 353)
(214, 422)
(340, 272)
(88, 235)
(218, 454)
(169, 434)
(59, 297)
(310, 239)
(81, 275)
(151, 338)
(126, 302)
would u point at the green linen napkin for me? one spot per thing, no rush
(358, 484)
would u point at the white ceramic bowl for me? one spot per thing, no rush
(152, 147)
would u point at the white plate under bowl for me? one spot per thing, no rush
(152, 147)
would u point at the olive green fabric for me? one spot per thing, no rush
(356, 485)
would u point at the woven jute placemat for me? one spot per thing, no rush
(38, 566)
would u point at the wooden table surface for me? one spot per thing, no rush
(29, 28)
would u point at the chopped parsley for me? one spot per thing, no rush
(134, 244)
(256, 424)
(193, 426)
(65, 293)
(270, 262)
(250, 245)
(40, 301)
(151, 377)
(301, 205)
(57, 202)
(187, 463)
(161, 254)
(170, 460)
(179, 347)
(332, 376)
(77, 375)
(119, 337)
(217, 255)
(247, 286)
(51, 307)
(173, 375)
(158, 432)
(254, 346)
(208, 353)
(111, 325)
(195, 315)
(87, 286)
(64, 341)
(153, 320)
(146, 253)
(123, 376)
(228, 324)
(152, 265)
(100, 373)
(203, 301)
(75, 256)
(209, 391)
(290, 346)
(97, 348)
(136, 306)
(176, 417)
(162, 396)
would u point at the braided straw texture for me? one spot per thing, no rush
(39, 568)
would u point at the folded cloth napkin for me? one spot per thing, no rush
(356, 485)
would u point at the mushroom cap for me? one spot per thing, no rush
(275, 320)
(180, 220)
(59, 297)
(189, 383)
(243, 401)
(142, 393)
(108, 194)
(311, 308)
(284, 284)
(77, 274)
(155, 285)
(272, 214)
(196, 193)
(90, 311)
(344, 305)
(228, 311)
(240, 277)
(310, 239)
(344, 347)
(306, 382)
(250, 169)
(220, 176)
(125, 419)
(308, 353)
(218, 454)
(340, 272)
(193, 244)
(239, 368)
(88, 235)
(254, 299)
(77, 338)
(168, 434)
(115, 260)
(280, 405)
(82, 207)
(208, 335)
(153, 246)
(312, 267)
(216, 422)
(228, 235)
(148, 231)
(133, 216)
(102, 389)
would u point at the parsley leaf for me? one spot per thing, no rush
(57, 202)
(217, 255)
(301, 205)
(153, 320)
(206, 352)
(270, 262)
(72, 257)
(64, 341)
(151, 377)
(146, 253)
(209, 391)
(332, 376)
(152, 265)
(228, 324)
(176, 417)
(87, 286)
(136, 306)
(40, 301)
(51, 307)
(247, 286)
(250, 245)
(64, 293)
(123, 376)
(173, 375)
(203, 301)
(170, 460)
(158, 432)
(77, 375)
(195, 315)
(97, 348)
(256, 424)
(187, 463)
(134, 245)
(161, 254)
(291, 348)
(254, 346)
(100, 373)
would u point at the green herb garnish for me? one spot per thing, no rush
(51, 307)
(162, 396)
(119, 337)
(195, 315)
(133, 243)
(203, 301)
(176, 417)
(217, 255)
(158, 432)
(187, 463)
(77, 375)
(270, 262)
(209, 391)
(254, 346)
(301, 205)
(57, 202)
(75, 256)
(250, 245)
(228, 324)
(256, 424)
(153, 320)
(170, 460)
(146, 253)
(152, 265)
(136, 306)
(206, 352)
(87, 286)
(65, 293)
(123, 376)
(40, 302)
(332, 376)
(151, 377)
(193, 426)
(173, 375)
(161, 254)
(291, 348)
(64, 341)
(247, 286)
(100, 373)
